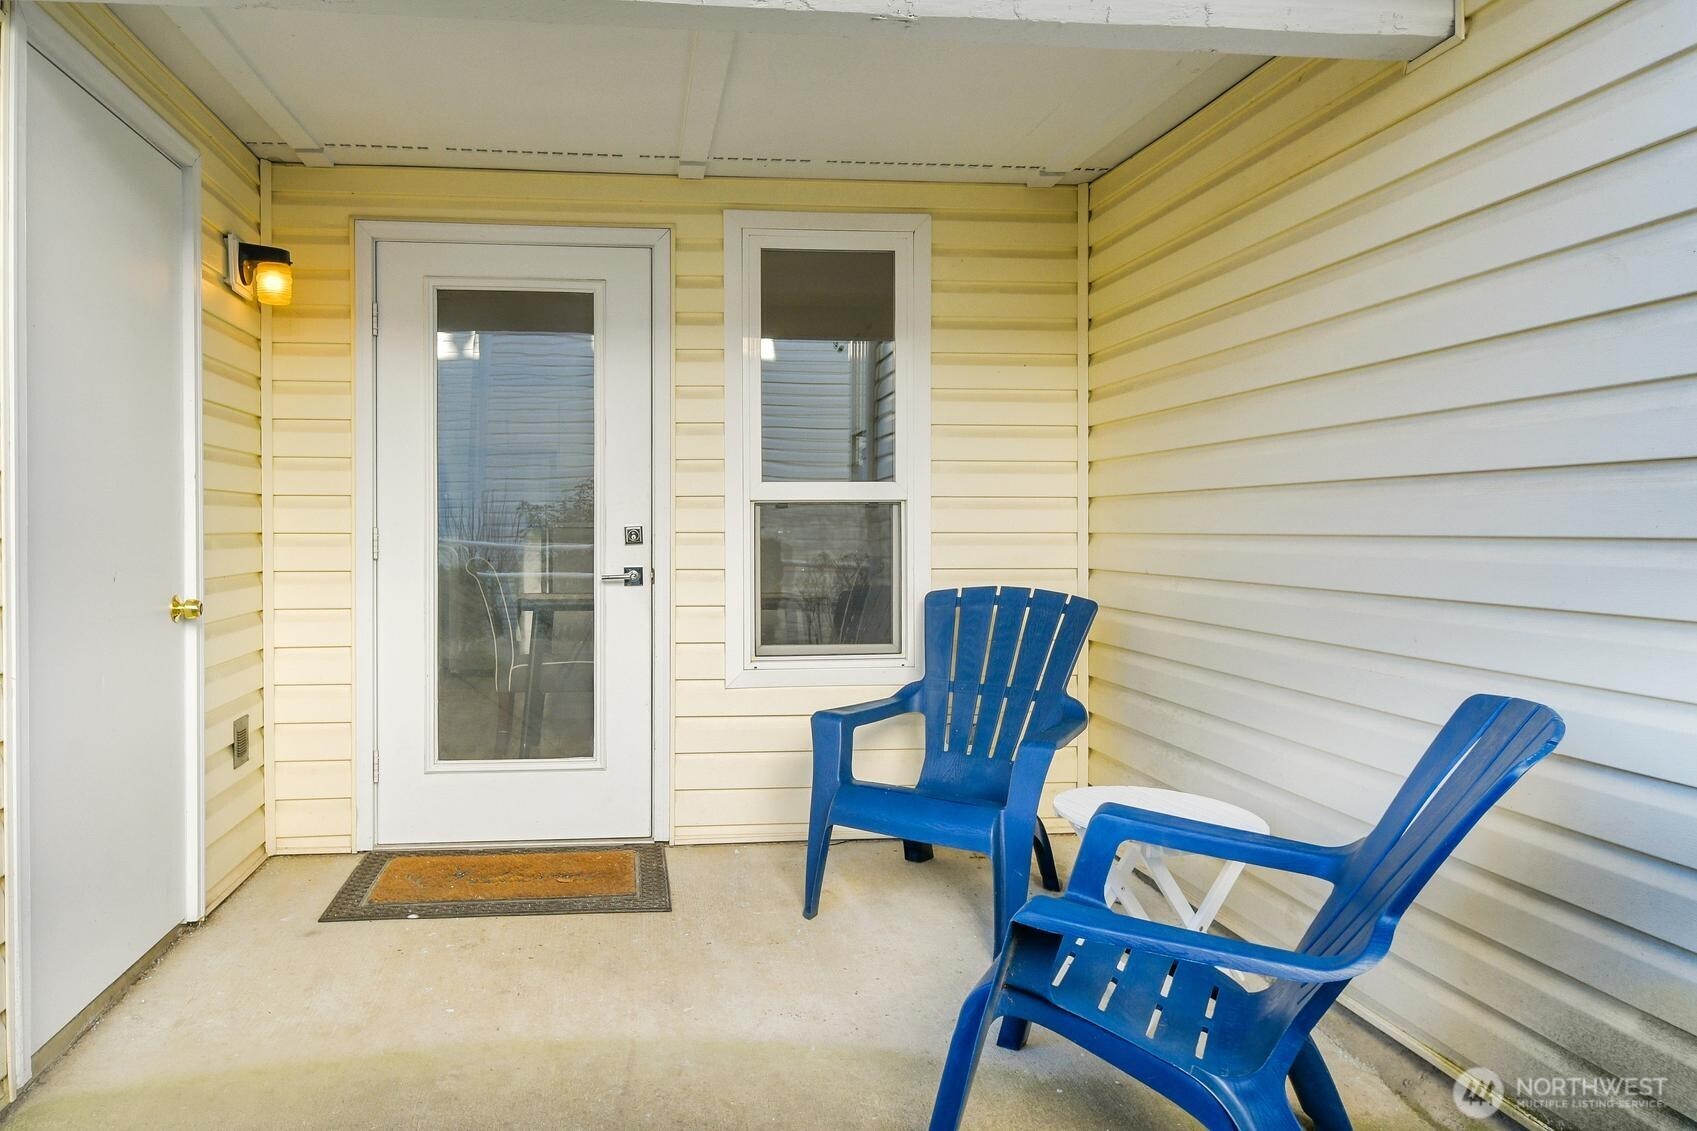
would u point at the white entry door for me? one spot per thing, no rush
(106, 682)
(514, 620)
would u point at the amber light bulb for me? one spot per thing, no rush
(273, 283)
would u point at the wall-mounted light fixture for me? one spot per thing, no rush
(256, 271)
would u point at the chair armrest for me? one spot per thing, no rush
(903, 702)
(1058, 733)
(1072, 917)
(833, 730)
(1037, 750)
(1113, 825)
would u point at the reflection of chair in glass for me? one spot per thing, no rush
(838, 602)
(513, 654)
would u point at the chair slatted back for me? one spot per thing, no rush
(503, 626)
(997, 661)
(1482, 751)
(1485, 747)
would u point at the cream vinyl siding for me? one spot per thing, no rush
(1005, 447)
(1392, 401)
(230, 332)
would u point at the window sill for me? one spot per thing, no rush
(832, 674)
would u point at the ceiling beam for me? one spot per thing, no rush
(1334, 29)
(202, 29)
(704, 91)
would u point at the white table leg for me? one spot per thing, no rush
(1216, 897)
(1155, 863)
(1121, 876)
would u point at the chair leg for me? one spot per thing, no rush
(964, 1050)
(916, 851)
(818, 844)
(1045, 859)
(1014, 1033)
(1012, 883)
(1316, 1091)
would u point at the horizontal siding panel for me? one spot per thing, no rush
(312, 514)
(312, 438)
(312, 742)
(312, 628)
(792, 769)
(237, 595)
(313, 703)
(1627, 577)
(319, 819)
(313, 665)
(234, 638)
(990, 373)
(314, 779)
(1558, 222)
(312, 552)
(996, 515)
(1565, 117)
(314, 590)
(987, 479)
(1059, 580)
(1644, 422)
(1575, 356)
(1006, 551)
(1638, 267)
(708, 734)
(1643, 736)
(1634, 656)
(1620, 501)
(230, 554)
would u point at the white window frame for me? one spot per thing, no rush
(909, 237)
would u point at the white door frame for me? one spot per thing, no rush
(367, 234)
(30, 27)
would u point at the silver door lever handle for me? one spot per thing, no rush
(631, 575)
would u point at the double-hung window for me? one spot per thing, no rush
(827, 491)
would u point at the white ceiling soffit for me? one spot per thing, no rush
(710, 88)
(1392, 30)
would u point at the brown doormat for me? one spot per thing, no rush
(455, 883)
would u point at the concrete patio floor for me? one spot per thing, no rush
(730, 1012)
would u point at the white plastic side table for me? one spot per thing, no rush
(1079, 805)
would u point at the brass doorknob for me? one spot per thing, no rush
(188, 608)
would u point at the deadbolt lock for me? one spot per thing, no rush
(186, 608)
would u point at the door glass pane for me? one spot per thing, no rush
(515, 506)
(826, 576)
(827, 365)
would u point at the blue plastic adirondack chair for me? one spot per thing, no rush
(997, 661)
(1152, 999)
